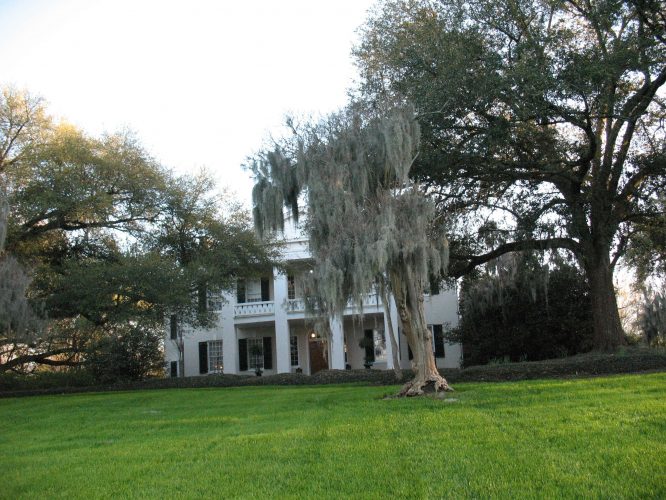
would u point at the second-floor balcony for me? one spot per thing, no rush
(298, 305)
(254, 309)
(293, 306)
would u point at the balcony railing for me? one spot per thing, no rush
(295, 305)
(371, 299)
(298, 305)
(254, 309)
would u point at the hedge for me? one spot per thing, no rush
(585, 365)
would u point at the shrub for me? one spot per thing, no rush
(130, 354)
(526, 313)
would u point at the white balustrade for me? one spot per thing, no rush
(292, 305)
(295, 305)
(254, 309)
(371, 299)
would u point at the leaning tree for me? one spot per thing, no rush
(366, 221)
(549, 113)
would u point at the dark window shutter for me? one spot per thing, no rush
(242, 355)
(240, 291)
(202, 297)
(268, 353)
(203, 357)
(265, 290)
(174, 327)
(370, 348)
(174, 368)
(438, 333)
(434, 285)
(410, 355)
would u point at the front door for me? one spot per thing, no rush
(317, 360)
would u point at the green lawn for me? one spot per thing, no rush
(602, 438)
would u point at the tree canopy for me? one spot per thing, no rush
(103, 242)
(543, 117)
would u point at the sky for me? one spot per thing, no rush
(201, 83)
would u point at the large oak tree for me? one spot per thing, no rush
(104, 240)
(543, 116)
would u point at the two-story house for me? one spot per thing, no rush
(263, 326)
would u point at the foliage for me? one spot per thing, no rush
(524, 311)
(646, 252)
(530, 430)
(43, 381)
(17, 317)
(593, 364)
(210, 239)
(367, 224)
(23, 123)
(653, 319)
(105, 238)
(129, 353)
(545, 117)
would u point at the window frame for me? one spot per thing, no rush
(215, 351)
(293, 351)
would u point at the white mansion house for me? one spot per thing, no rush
(263, 327)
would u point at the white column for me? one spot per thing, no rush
(337, 343)
(393, 311)
(387, 336)
(229, 337)
(282, 348)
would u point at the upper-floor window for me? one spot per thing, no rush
(215, 303)
(253, 290)
(291, 287)
(173, 327)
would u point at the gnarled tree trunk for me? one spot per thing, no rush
(608, 333)
(408, 292)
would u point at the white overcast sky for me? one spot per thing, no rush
(202, 83)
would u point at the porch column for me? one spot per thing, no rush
(337, 343)
(393, 316)
(229, 337)
(282, 348)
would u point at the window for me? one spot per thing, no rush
(215, 362)
(173, 369)
(253, 290)
(240, 291)
(255, 350)
(293, 348)
(291, 288)
(380, 346)
(437, 340)
(173, 325)
(434, 286)
(215, 303)
(375, 346)
(255, 353)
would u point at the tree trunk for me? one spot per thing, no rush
(409, 300)
(608, 333)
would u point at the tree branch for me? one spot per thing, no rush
(469, 262)
(42, 358)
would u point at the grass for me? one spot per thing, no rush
(601, 437)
